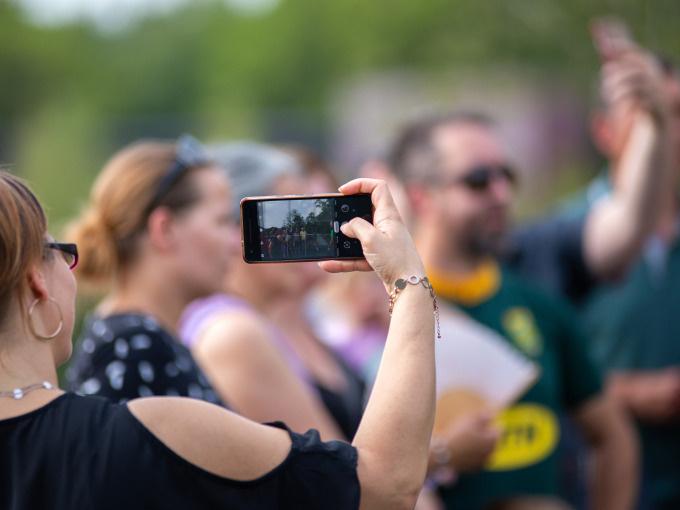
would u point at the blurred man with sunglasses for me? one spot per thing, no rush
(460, 187)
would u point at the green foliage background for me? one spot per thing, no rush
(70, 96)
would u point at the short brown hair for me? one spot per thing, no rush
(23, 227)
(107, 231)
(413, 158)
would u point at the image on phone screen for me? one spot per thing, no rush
(301, 228)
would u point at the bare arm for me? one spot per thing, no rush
(251, 375)
(612, 439)
(616, 228)
(651, 396)
(394, 435)
(398, 420)
(208, 436)
(618, 225)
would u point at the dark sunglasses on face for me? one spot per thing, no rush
(480, 177)
(189, 153)
(68, 250)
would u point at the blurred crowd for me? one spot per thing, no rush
(588, 294)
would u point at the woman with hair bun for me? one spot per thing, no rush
(155, 251)
(156, 234)
(61, 451)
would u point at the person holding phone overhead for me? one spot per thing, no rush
(632, 322)
(168, 451)
(597, 237)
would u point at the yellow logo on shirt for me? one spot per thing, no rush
(521, 327)
(529, 434)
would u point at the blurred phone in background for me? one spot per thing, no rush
(611, 38)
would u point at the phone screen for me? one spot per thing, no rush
(305, 228)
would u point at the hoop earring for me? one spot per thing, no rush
(30, 320)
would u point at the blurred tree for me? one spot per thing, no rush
(294, 222)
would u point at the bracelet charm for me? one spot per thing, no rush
(401, 283)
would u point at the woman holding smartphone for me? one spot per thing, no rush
(155, 452)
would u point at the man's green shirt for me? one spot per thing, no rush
(525, 460)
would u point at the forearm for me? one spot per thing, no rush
(650, 396)
(617, 227)
(615, 471)
(394, 434)
(621, 389)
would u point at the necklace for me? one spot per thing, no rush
(19, 393)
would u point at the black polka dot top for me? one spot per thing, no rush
(126, 356)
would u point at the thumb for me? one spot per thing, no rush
(358, 228)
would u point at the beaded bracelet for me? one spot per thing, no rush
(400, 285)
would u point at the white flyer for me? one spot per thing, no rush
(476, 367)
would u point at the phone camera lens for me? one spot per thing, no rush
(344, 208)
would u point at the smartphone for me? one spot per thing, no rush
(611, 37)
(295, 228)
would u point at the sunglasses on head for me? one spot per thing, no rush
(480, 177)
(68, 250)
(189, 153)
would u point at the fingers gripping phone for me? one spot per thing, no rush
(297, 228)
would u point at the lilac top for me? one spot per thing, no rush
(362, 350)
(200, 312)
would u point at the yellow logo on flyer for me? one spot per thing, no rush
(529, 434)
(520, 325)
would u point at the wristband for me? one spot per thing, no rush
(400, 285)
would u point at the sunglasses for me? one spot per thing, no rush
(480, 177)
(68, 250)
(189, 153)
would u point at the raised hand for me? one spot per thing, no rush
(632, 78)
(387, 244)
